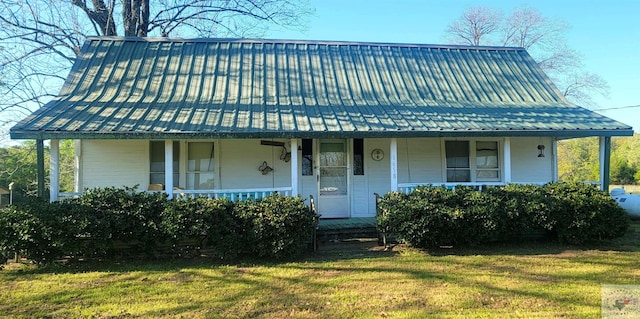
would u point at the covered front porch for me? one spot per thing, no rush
(342, 174)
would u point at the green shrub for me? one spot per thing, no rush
(43, 232)
(423, 218)
(276, 226)
(122, 222)
(433, 216)
(581, 212)
(209, 222)
(127, 217)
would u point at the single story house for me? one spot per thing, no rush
(336, 120)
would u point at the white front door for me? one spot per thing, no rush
(333, 179)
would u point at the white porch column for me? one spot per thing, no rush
(393, 162)
(294, 166)
(506, 158)
(168, 168)
(605, 158)
(554, 150)
(77, 166)
(54, 173)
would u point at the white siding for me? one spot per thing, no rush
(239, 162)
(115, 163)
(378, 176)
(420, 160)
(526, 166)
(360, 196)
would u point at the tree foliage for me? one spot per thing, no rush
(18, 166)
(578, 160)
(544, 39)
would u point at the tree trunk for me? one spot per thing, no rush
(102, 16)
(135, 14)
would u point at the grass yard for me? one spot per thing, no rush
(346, 280)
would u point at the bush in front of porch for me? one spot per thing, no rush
(573, 213)
(124, 223)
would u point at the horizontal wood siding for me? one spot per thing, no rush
(240, 160)
(115, 163)
(419, 160)
(378, 172)
(526, 166)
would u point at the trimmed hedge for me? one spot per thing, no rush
(124, 223)
(571, 213)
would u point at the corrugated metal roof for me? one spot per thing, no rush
(196, 88)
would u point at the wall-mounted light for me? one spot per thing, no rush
(540, 150)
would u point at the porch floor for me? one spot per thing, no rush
(347, 228)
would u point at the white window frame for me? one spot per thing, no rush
(472, 159)
(184, 157)
(186, 163)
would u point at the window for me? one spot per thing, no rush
(358, 156)
(487, 161)
(458, 168)
(482, 164)
(200, 165)
(156, 169)
(307, 157)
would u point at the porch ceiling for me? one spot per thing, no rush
(131, 88)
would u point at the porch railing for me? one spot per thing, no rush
(231, 194)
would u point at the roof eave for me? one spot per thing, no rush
(560, 134)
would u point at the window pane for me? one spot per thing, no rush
(200, 157)
(156, 162)
(156, 178)
(458, 175)
(333, 181)
(487, 175)
(486, 155)
(457, 153)
(156, 157)
(307, 157)
(358, 156)
(332, 154)
(201, 180)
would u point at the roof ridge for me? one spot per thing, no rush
(315, 42)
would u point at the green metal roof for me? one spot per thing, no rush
(218, 88)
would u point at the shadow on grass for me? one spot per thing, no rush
(348, 250)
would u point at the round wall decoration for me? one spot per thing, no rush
(377, 154)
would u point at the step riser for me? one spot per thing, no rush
(346, 234)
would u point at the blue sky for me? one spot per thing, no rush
(605, 33)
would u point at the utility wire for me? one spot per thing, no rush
(617, 108)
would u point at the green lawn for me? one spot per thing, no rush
(347, 280)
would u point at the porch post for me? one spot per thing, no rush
(54, 170)
(506, 154)
(40, 166)
(393, 162)
(554, 150)
(294, 166)
(605, 159)
(77, 166)
(168, 168)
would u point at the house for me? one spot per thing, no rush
(336, 120)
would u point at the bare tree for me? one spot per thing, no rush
(41, 38)
(475, 27)
(543, 38)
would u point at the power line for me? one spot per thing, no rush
(618, 108)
